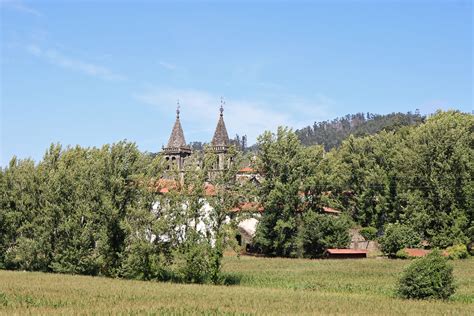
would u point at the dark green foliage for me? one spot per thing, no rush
(442, 172)
(430, 277)
(193, 261)
(330, 134)
(143, 260)
(369, 233)
(89, 211)
(420, 176)
(65, 214)
(290, 173)
(470, 238)
(417, 174)
(320, 232)
(396, 237)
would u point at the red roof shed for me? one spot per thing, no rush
(346, 253)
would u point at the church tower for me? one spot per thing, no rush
(220, 141)
(177, 151)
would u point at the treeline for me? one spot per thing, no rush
(240, 142)
(99, 211)
(108, 211)
(419, 178)
(330, 134)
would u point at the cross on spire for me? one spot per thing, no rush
(177, 108)
(222, 106)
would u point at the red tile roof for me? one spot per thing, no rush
(347, 251)
(247, 170)
(415, 252)
(165, 185)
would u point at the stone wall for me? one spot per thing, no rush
(358, 242)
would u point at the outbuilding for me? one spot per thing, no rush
(346, 253)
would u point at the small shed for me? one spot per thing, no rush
(346, 253)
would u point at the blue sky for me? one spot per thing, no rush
(96, 72)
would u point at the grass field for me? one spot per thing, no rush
(264, 286)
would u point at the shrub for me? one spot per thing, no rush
(402, 254)
(194, 261)
(369, 233)
(457, 252)
(26, 254)
(396, 237)
(142, 261)
(470, 245)
(430, 277)
(322, 231)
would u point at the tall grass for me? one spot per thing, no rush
(268, 286)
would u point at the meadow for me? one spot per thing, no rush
(261, 286)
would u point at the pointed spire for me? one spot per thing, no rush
(221, 138)
(177, 109)
(177, 136)
(222, 106)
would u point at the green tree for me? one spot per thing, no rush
(398, 236)
(285, 165)
(20, 209)
(440, 176)
(430, 277)
(321, 232)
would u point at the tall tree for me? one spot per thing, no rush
(285, 164)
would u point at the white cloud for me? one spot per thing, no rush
(200, 111)
(58, 59)
(20, 6)
(167, 65)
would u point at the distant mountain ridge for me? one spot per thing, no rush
(330, 134)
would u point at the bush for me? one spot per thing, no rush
(457, 252)
(369, 233)
(195, 261)
(396, 237)
(143, 261)
(470, 244)
(402, 254)
(26, 254)
(322, 231)
(430, 277)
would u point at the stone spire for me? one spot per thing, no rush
(177, 136)
(177, 151)
(221, 139)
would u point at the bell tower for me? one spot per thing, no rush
(220, 141)
(177, 151)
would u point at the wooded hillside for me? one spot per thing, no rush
(330, 134)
